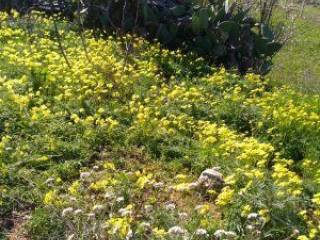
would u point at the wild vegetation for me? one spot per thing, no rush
(304, 72)
(223, 32)
(120, 138)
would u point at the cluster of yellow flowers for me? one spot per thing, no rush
(89, 127)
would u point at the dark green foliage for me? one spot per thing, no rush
(7, 5)
(224, 35)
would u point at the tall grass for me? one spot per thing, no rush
(298, 63)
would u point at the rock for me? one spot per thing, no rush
(210, 179)
(194, 185)
(212, 174)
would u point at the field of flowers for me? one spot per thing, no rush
(119, 139)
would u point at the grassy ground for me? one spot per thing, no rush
(298, 63)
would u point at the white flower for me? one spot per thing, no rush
(183, 216)
(67, 211)
(230, 234)
(170, 206)
(145, 225)
(77, 212)
(129, 235)
(84, 175)
(219, 233)
(26, 217)
(253, 216)
(109, 195)
(104, 225)
(296, 232)
(198, 207)
(177, 231)
(201, 232)
(250, 228)
(95, 168)
(120, 199)
(148, 208)
(71, 237)
(91, 215)
(222, 234)
(49, 181)
(158, 185)
(124, 212)
(98, 208)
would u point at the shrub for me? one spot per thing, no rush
(223, 33)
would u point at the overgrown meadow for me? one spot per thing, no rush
(297, 64)
(121, 139)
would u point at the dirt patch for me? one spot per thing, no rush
(17, 222)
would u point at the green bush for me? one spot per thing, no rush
(223, 34)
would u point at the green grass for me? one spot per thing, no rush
(298, 63)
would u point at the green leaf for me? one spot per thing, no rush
(204, 18)
(103, 19)
(266, 32)
(178, 10)
(163, 34)
(148, 14)
(230, 27)
(272, 48)
(203, 43)
(173, 29)
(219, 16)
(219, 50)
(196, 24)
(260, 44)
